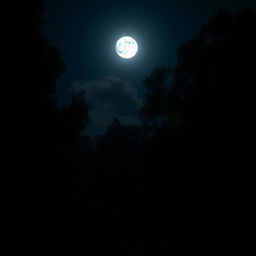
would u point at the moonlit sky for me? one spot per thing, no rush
(86, 32)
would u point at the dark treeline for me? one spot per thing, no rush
(176, 181)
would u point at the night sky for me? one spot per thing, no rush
(134, 156)
(85, 32)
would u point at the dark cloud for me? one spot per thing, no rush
(108, 98)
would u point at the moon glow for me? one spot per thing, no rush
(126, 47)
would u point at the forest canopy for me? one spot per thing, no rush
(170, 182)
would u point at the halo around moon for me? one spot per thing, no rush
(126, 47)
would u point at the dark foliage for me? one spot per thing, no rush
(205, 130)
(173, 182)
(45, 148)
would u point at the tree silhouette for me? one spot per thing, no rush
(168, 183)
(47, 150)
(213, 73)
(204, 117)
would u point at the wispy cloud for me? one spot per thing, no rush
(108, 98)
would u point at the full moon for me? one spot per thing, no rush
(126, 47)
